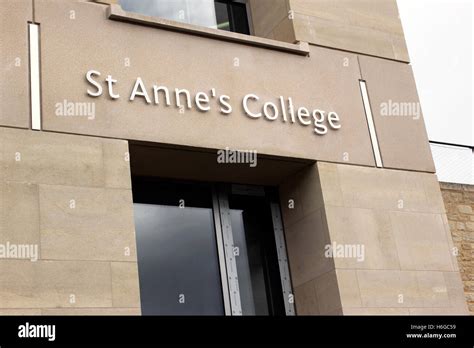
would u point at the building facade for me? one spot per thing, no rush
(236, 157)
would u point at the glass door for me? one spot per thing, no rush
(210, 249)
(178, 261)
(257, 267)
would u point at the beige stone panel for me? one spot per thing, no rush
(374, 189)
(284, 31)
(2, 159)
(403, 140)
(270, 36)
(343, 24)
(116, 163)
(433, 289)
(3, 233)
(79, 223)
(19, 213)
(380, 288)
(52, 158)
(438, 311)
(420, 192)
(453, 251)
(400, 48)
(310, 192)
(306, 240)
(327, 292)
(432, 191)
(343, 36)
(330, 184)
(368, 236)
(20, 311)
(91, 311)
(266, 14)
(304, 189)
(379, 15)
(325, 9)
(266, 72)
(89, 282)
(455, 288)
(393, 190)
(43, 284)
(421, 241)
(306, 299)
(125, 284)
(289, 196)
(423, 191)
(320, 296)
(348, 288)
(19, 285)
(14, 72)
(376, 311)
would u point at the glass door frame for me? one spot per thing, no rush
(225, 247)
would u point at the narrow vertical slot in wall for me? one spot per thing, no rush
(35, 88)
(370, 123)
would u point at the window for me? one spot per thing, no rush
(210, 249)
(232, 16)
(219, 14)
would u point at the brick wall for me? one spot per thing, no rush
(459, 203)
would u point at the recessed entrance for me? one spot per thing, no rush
(208, 246)
(210, 249)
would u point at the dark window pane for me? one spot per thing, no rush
(239, 18)
(177, 255)
(222, 16)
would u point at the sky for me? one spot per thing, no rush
(439, 35)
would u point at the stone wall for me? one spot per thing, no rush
(459, 203)
(67, 198)
(271, 19)
(398, 217)
(370, 27)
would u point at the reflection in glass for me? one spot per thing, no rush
(242, 263)
(222, 16)
(198, 12)
(176, 246)
(249, 264)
